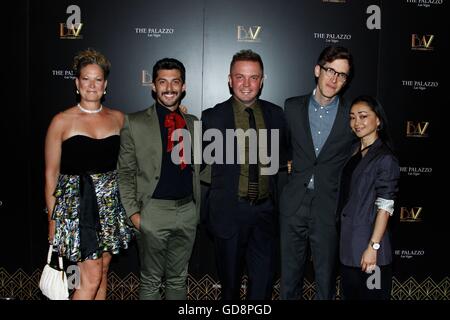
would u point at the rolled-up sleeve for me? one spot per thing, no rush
(386, 183)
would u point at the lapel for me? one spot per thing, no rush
(153, 134)
(189, 124)
(371, 153)
(267, 115)
(190, 127)
(228, 115)
(304, 116)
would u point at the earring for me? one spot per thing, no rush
(78, 92)
(104, 92)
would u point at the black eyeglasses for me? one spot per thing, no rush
(330, 72)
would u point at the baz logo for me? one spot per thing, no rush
(72, 28)
(417, 129)
(250, 34)
(422, 42)
(413, 214)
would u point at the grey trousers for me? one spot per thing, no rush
(165, 242)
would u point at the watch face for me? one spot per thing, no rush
(376, 246)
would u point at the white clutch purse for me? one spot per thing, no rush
(53, 282)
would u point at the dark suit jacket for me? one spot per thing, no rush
(326, 167)
(375, 176)
(223, 192)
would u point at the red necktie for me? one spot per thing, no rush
(174, 121)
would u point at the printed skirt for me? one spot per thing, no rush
(89, 202)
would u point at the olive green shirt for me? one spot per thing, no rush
(241, 120)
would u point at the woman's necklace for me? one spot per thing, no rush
(90, 111)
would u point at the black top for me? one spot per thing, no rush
(82, 154)
(174, 182)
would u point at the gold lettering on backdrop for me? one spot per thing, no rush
(70, 32)
(249, 34)
(421, 42)
(146, 78)
(416, 129)
(410, 215)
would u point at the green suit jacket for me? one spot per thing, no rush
(140, 157)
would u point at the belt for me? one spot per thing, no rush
(253, 202)
(175, 202)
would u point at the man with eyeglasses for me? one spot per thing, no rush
(320, 140)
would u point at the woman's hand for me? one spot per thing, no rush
(51, 230)
(136, 220)
(183, 108)
(369, 260)
(289, 166)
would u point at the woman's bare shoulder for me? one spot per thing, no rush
(63, 117)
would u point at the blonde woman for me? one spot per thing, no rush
(86, 218)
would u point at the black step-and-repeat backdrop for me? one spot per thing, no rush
(399, 49)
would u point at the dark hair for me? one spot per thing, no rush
(90, 56)
(247, 55)
(169, 64)
(377, 108)
(331, 53)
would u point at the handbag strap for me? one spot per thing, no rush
(49, 258)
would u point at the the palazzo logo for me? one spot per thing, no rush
(72, 28)
(332, 37)
(146, 78)
(422, 42)
(248, 34)
(419, 84)
(408, 254)
(425, 3)
(417, 129)
(416, 171)
(65, 74)
(154, 32)
(413, 214)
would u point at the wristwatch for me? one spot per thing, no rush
(375, 245)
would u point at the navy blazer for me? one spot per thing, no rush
(376, 175)
(222, 196)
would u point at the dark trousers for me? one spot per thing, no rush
(355, 286)
(296, 232)
(253, 243)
